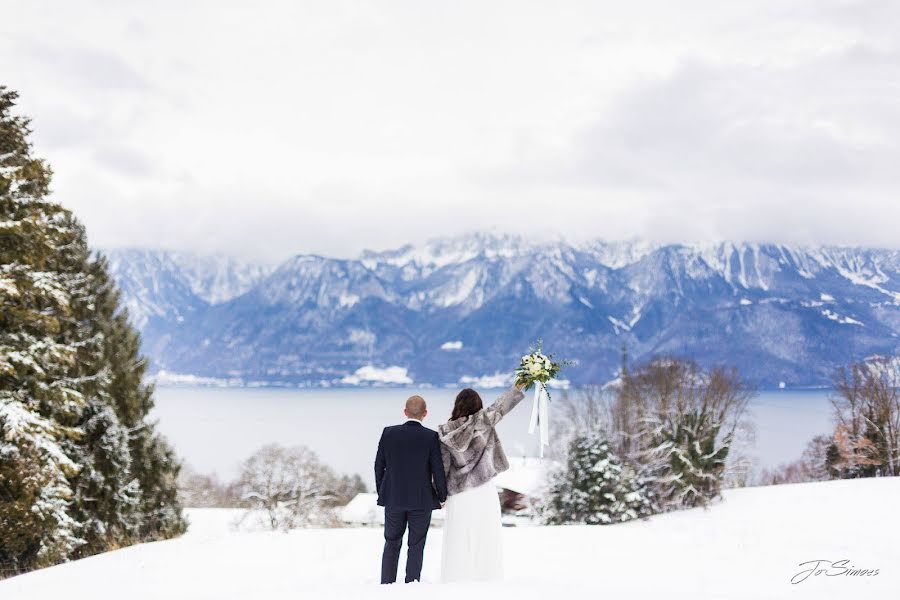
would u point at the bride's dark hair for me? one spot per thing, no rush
(468, 402)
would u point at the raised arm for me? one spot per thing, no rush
(380, 465)
(437, 470)
(503, 404)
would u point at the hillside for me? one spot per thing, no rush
(747, 547)
(466, 307)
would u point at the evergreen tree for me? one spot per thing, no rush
(81, 470)
(140, 493)
(595, 487)
(40, 403)
(694, 454)
(346, 487)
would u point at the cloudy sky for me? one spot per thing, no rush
(263, 129)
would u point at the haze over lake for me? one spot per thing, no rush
(214, 429)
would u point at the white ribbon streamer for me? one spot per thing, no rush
(540, 418)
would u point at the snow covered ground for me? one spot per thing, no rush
(748, 546)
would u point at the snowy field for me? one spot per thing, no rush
(747, 546)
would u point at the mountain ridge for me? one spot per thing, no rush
(466, 307)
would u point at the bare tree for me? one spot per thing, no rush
(684, 421)
(199, 490)
(606, 410)
(867, 414)
(587, 409)
(815, 458)
(288, 487)
(740, 466)
(811, 466)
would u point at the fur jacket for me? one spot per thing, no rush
(470, 448)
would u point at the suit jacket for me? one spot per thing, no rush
(409, 471)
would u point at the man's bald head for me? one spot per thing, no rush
(415, 408)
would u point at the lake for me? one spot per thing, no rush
(214, 429)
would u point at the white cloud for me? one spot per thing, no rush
(370, 374)
(497, 380)
(287, 127)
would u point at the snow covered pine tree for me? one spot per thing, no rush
(595, 487)
(81, 470)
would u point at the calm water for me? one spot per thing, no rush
(213, 429)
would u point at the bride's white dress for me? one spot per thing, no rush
(472, 548)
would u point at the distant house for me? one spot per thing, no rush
(519, 487)
(362, 511)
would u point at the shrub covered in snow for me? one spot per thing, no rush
(595, 487)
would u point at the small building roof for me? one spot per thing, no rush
(525, 475)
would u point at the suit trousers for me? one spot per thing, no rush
(395, 523)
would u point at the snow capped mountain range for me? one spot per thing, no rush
(168, 285)
(465, 308)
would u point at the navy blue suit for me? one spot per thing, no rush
(410, 481)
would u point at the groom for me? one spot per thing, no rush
(410, 481)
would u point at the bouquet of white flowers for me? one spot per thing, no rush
(537, 369)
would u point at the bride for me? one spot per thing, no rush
(472, 456)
